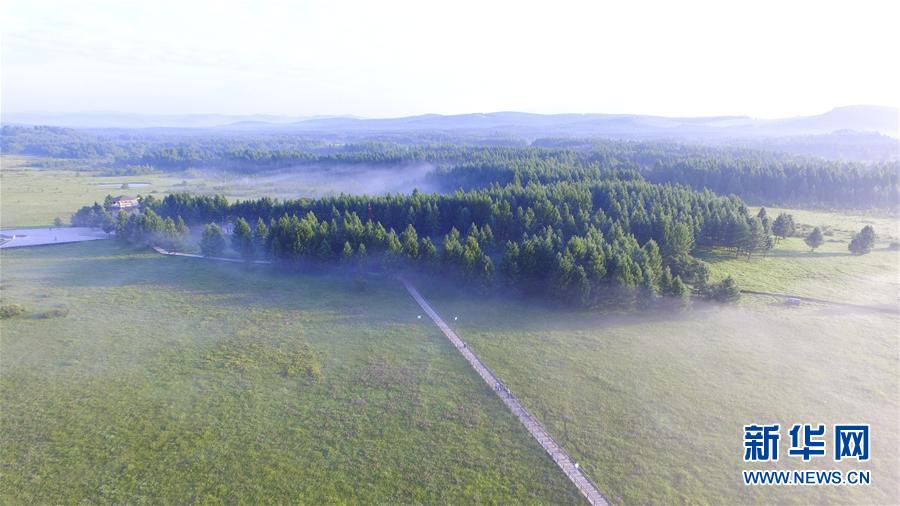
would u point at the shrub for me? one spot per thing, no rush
(724, 291)
(57, 312)
(11, 310)
(894, 246)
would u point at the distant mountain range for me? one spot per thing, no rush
(883, 120)
(134, 120)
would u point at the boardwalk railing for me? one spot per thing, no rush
(584, 484)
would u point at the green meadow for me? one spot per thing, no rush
(653, 405)
(169, 380)
(33, 197)
(35, 190)
(830, 272)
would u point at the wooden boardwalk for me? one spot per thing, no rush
(556, 452)
(218, 259)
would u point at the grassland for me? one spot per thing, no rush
(653, 405)
(32, 197)
(177, 381)
(831, 272)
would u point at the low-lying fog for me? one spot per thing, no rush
(310, 181)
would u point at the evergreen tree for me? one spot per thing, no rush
(428, 251)
(783, 226)
(863, 242)
(242, 239)
(509, 265)
(260, 234)
(763, 219)
(679, 241)
(814, 239)
(409, 240)
(347, 252)
(212, 243)
(472, 256)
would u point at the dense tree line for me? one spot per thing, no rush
(574, 241)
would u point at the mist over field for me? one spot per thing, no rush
(311, 181)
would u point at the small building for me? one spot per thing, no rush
(123, 203)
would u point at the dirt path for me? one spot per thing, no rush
(584, 484)
(884, 308)
(219, 259)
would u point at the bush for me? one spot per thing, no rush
(724, 291)
(57, 312)
(894, 246)
(11, 310)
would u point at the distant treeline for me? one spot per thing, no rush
(757, 176)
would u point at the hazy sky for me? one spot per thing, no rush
(387, 58)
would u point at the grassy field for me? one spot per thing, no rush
(831, 272)
(653, 405)
(179, 381)
(33, 197)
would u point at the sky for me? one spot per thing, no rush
(395, 58)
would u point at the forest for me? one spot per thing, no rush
(758, 176)
(575, 242)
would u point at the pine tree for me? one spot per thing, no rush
(260, 235)
(679, 241)
(242, 239)
(783, 226)
(471, 255)
(428, 251)
(509, 265)
(863, 242)
(409, 239)
(763, 218)
(347, 252)
(814, 239)
(212, 243)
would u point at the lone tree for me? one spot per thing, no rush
(783, 226)
(57, 222)
(863, 242)
(814, 239)
(213, 241)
